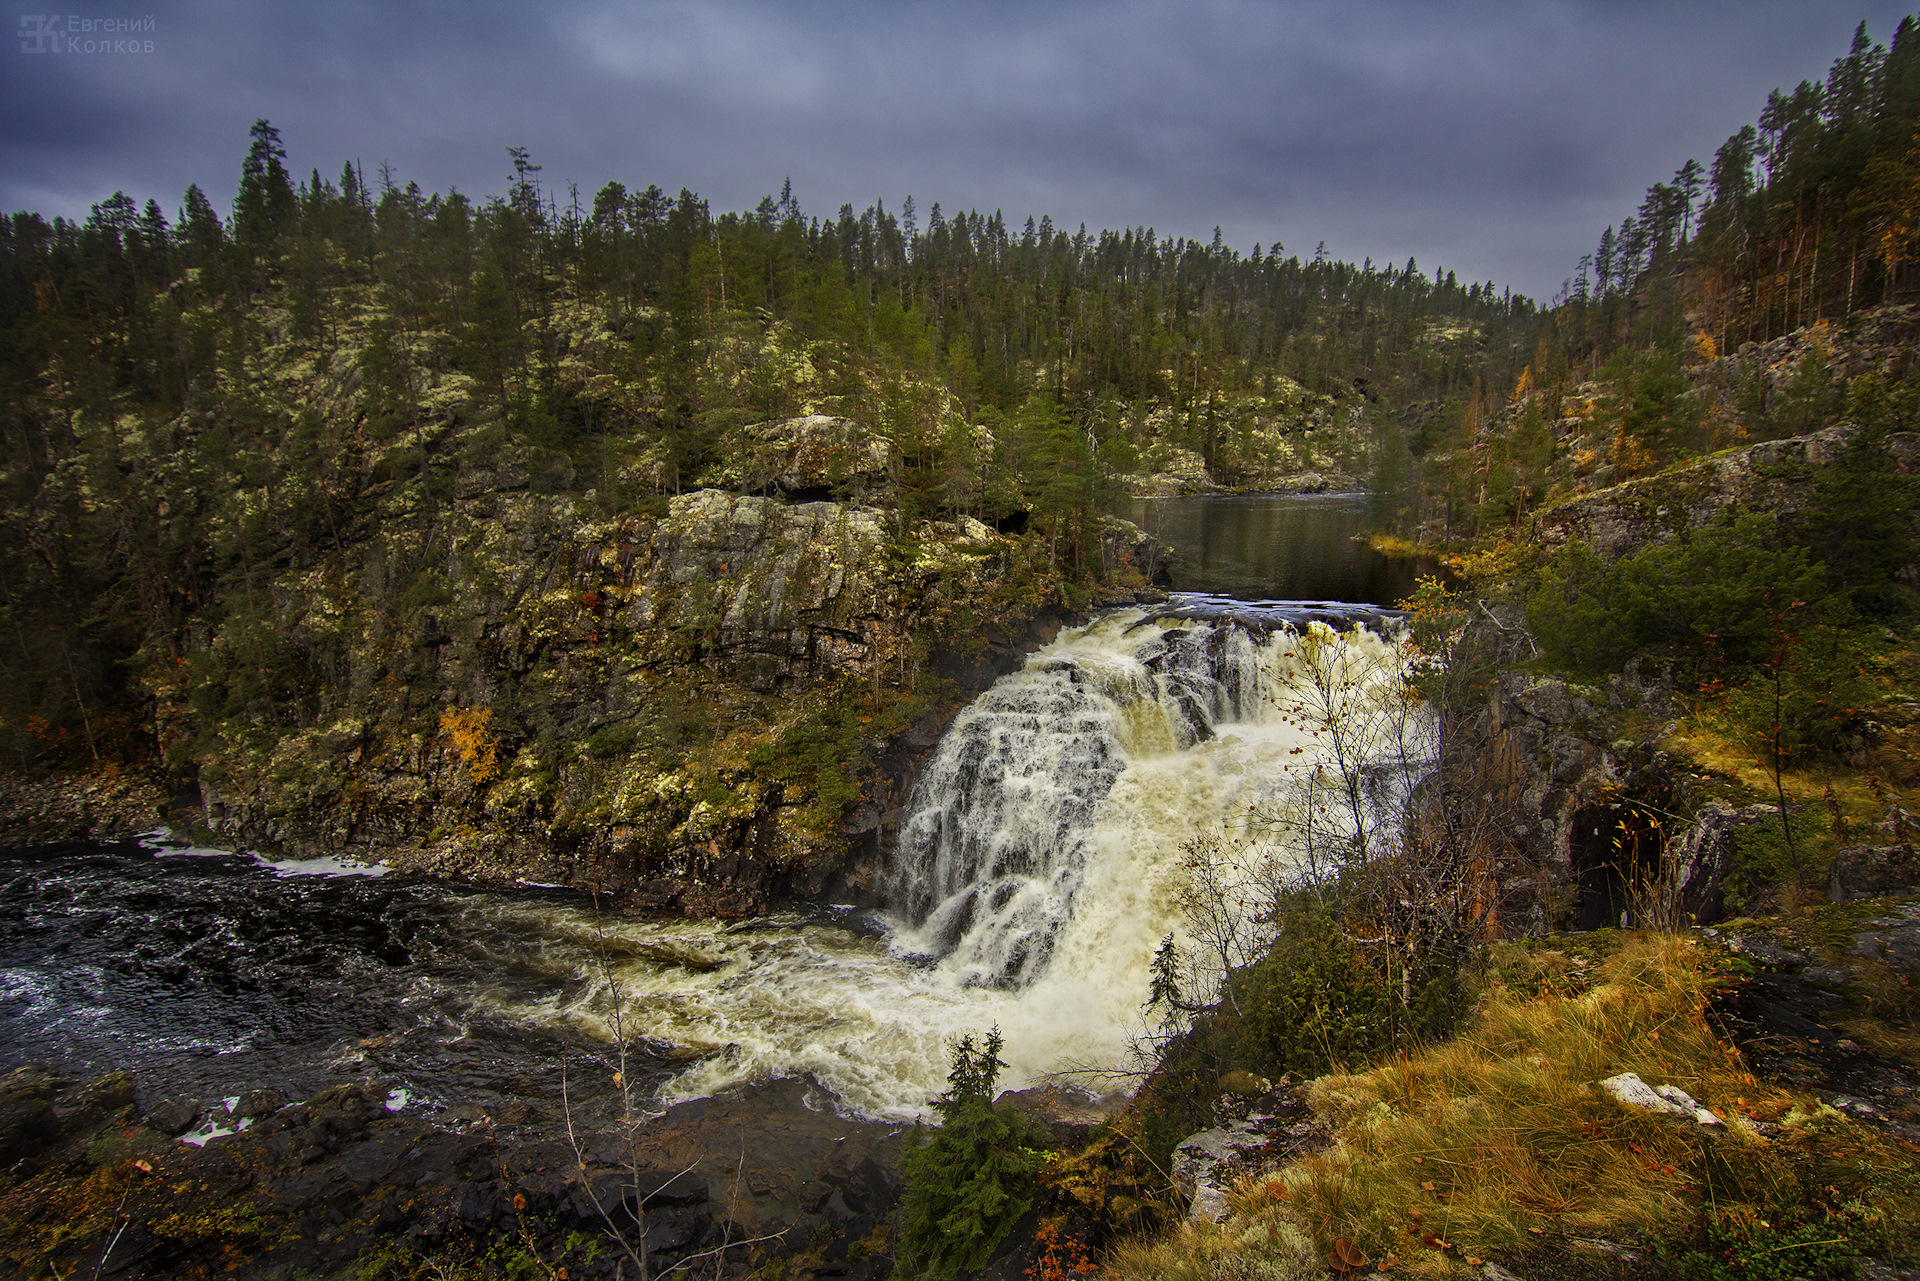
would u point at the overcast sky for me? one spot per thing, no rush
(1494, 139)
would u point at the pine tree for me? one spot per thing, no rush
(970, 1183)
(266, 205)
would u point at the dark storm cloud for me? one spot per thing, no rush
(1495, 139)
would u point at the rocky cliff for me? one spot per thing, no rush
(692, 707)
(1777, 475)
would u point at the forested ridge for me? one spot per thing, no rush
(1736, 305)
(194, 405)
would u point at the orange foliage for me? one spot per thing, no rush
(472, 735)
(1061, 1257)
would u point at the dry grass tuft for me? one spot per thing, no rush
(1469, 1144)
(1479, 1146)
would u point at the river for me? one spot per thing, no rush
(1038, 865)
(1275, 546)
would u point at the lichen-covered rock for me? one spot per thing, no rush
(1572, 785)
(815, 454)
(1670, 1100)
(27, 1119)
(1702, 854)
(758, 573)
(1628, 517)
(1181, 471)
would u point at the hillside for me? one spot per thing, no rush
(1684, 675)
(527, 540)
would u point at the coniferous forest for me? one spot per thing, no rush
(169, 454)
(607, 543)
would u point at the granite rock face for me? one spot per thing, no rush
(795, 584)
(1627, 518)
(1582, 799)
(688, 709)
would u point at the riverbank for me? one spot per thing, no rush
(1758, 1021)
(99, 806)
(354, 1183)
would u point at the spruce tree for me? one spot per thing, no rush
(266, 205)
(970, 1183)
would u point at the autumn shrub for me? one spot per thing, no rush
(471, 730)
(1314, 1001)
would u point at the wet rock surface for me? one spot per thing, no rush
(1816, 1011)
(94, 1187)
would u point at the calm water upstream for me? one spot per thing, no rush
(1039, 857)
(1275, 547)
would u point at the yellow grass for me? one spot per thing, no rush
(1707, 742)
(1477, 1147)
(1394, 545)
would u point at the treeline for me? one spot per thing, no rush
(1801, 225)
(1809, 214)
(993, 313)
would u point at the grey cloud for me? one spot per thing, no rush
(1496, 138)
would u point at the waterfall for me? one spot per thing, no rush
(1105, 752)
(1039, 866)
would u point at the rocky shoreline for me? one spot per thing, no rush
(64, 807)
(94, 1181)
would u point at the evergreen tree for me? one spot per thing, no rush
(265, 206)
(969, 1184)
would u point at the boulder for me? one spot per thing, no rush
(1703, 854)
(1869, 871)
(255, 1104)
(27, 1124)
(97, 1101)
(1069, 1117)
(173, 1117)
(1669, 1100)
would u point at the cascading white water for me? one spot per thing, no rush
(1037, 871)
(1015, 801)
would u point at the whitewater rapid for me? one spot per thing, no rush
(1037, 872)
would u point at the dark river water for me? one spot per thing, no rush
(1275, 547)
(207, 973)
